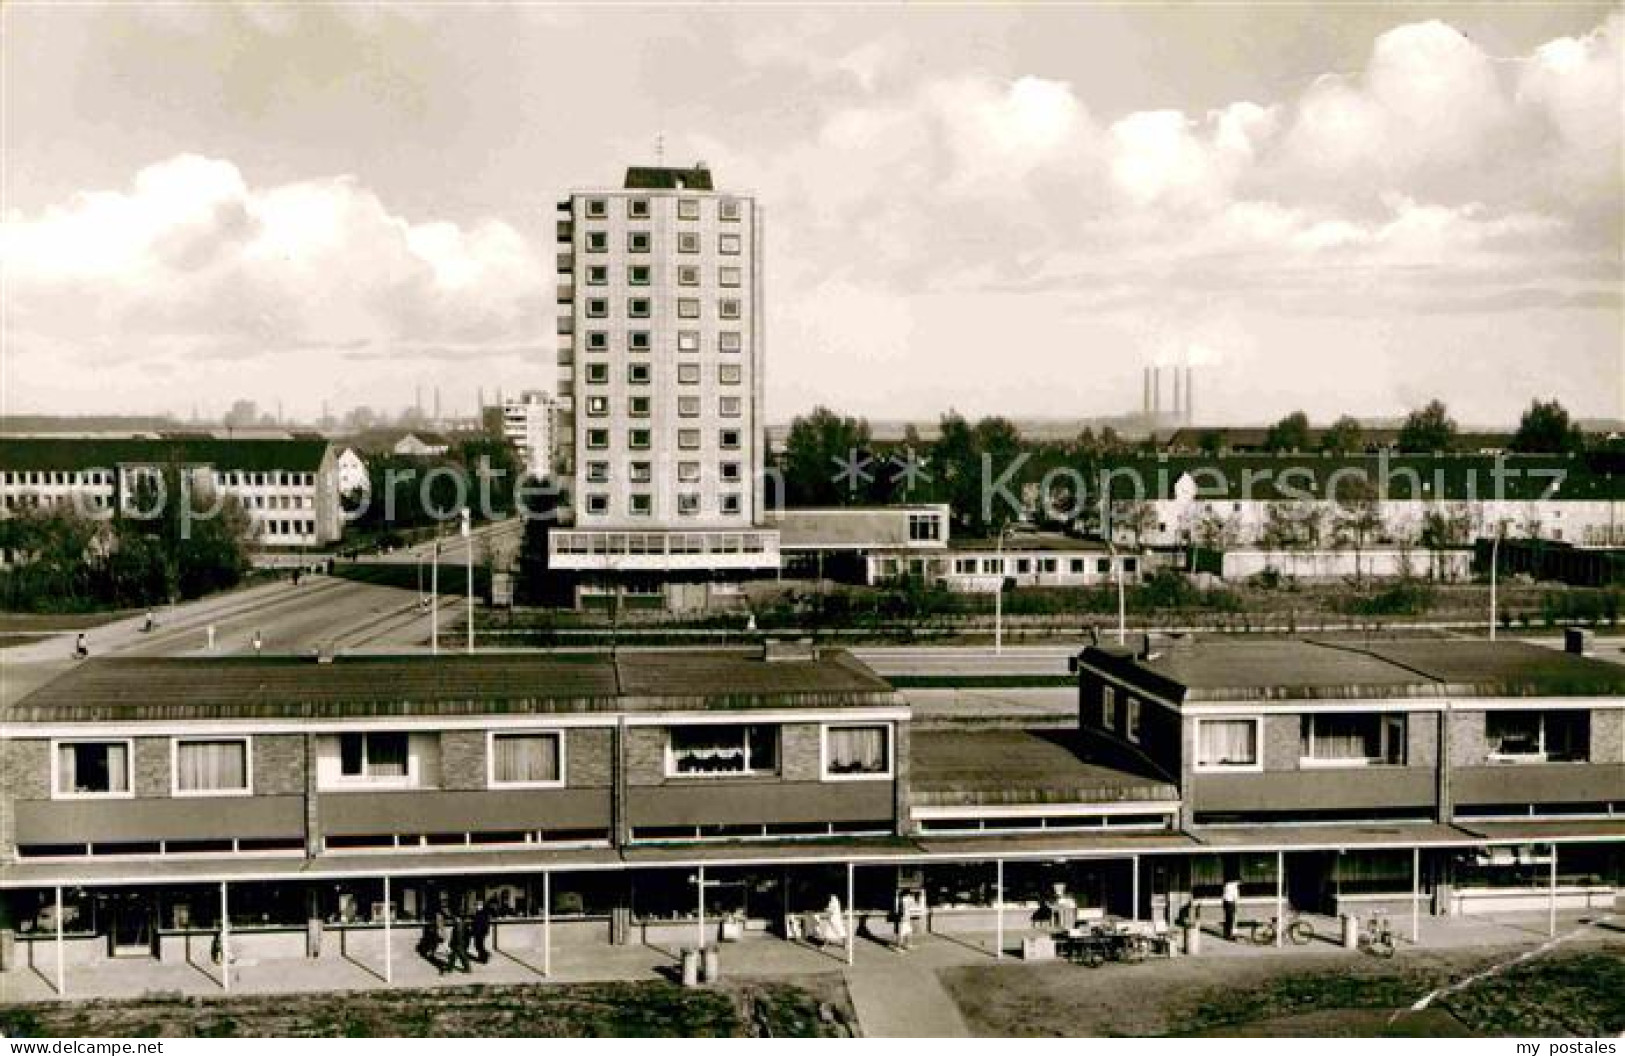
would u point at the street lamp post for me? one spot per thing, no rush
(468, 534)
(998, 596)
(1122, 597)
(434, 595)
(1495, 562)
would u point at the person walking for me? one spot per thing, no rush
(259, 643)
(479, 928)
(429, 940)
(457, 958)
(1232, 902)
(81, 646)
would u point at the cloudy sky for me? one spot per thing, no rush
(1003, 209)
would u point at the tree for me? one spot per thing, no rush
(1428, 429)
(1343, 437)
(1289, 434)
(1134, 516)
(1215, 531)
(1445, 526)
(1546, 429)
(1211, 442)
(824, 459)
(1293, 525)
(1357, 518)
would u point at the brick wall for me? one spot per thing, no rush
(29, 765)
(800, 752)
(152, 767)
(645, 755)
(1422, 739)
(462, 759)
(1282, 742)
(279, 764)
(1607, 735)
(1467, 744)
(589, 758)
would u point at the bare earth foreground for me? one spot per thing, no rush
(810, 1006)
(1566, 993)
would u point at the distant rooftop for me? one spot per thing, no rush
(654, 178)
(1312, 670)
(289, 687)
(304, 453)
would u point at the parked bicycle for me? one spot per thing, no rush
(1298, 929)
(1378, 937)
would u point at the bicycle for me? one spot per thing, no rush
(1298, 930)
(1378, 937)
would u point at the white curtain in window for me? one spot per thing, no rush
(1229, 742)
(1346, 737)
(211, 766)
(100, 767)
(857, 750)
(527, 757)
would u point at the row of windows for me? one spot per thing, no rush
(687, 341)
(641, 504)
(687, 406)
(39, 477)
(277, 502)
(639, 439)
(728, 244)
(687, 208)
(642, 275)
(1022, 566)
(643, 308)
(224, 765)
(287, 527)
(643, 472)
(97, 502)
(105, 477)
(687, 373)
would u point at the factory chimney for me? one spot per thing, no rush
(1190, 404)
(1146, 399)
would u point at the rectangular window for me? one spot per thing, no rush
(637, 241)
(688, 308)
(637, 275)
(728, 244)
(93, 768)
(728, 308)
(1538, 736)
(688, 340)
(688, 275)
(597, 208)
(597, 241)
(598, 504)
(857, 751)
(722, 750)
(924, 527)
(728, 209)
(597, 472)
(688, 373)
(639, 472)
(689, 472)
(598, 438)
(688, 208)
(639, 504)
(728, 373)
(1131, 720)
(597, 406)
(597, 341)
(637, 373)
(728, 504)
(373, 756)
(638, 307)
(637, 208)
(688, 439)
(526, 759)
(597, 373)
(728, 439)
(638, 439)
(688, 406)
(637, 340)
(729, 472)
(1227, 744)
(1352, 739)
(728, 341)
(597, 307)
(688, 503)
(688, 242)
(638, 406)
(598, 275)
(203, 767)
(728, 277)
(730, 406)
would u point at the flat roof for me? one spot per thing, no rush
(1008, 767)
(298, 453)
(178, 689)
(1303, 669)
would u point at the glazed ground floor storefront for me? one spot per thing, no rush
(1004, 893)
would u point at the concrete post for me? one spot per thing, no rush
(1551, 902)
(998, 909)
(1134, 887)
(547, 923)
(389, 913)
(1416, 895)
(1280, 896)
(225, 939)
(850, 926)
(699, 888)
(61, 963)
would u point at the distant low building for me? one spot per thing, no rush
(288, 487)
(421, 445)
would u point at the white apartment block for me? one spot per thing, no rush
(527, 423)
(660, 377)
(287, 487)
